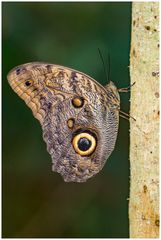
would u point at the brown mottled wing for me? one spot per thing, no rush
(34, 83)
(49, 91)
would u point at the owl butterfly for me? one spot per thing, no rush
(79, 117)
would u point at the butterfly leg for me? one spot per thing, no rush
(127, 89)
(126, 115)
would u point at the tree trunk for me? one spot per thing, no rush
(144, 132)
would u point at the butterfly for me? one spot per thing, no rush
(79, 117)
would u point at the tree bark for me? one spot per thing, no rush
(144, 132)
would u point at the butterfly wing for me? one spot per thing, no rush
(31, 82)
(79, 117)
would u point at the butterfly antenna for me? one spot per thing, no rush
(107, 73)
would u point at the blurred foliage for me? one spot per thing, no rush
(36, 201)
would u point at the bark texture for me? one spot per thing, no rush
(144, 132)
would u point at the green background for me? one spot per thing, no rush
(36, 201)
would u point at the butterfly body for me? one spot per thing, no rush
(79, 117)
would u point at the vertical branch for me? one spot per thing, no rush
(144, 133)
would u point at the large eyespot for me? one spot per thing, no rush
(84, 143)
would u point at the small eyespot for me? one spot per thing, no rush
(28, 83)
(78, 102)
(70, 122)
(18, 70)
(84, 143)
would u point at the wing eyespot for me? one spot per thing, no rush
(28, 83)
(70, 122)
(84, 143)
(78, 102)
(18, 70)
